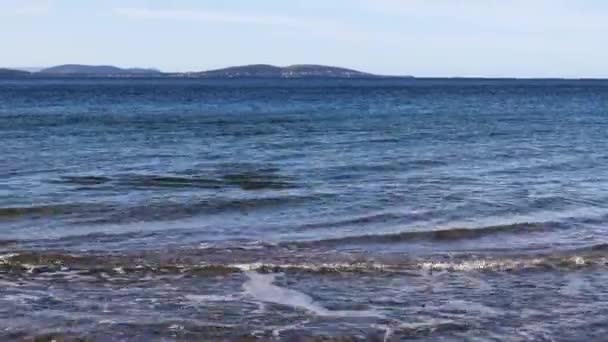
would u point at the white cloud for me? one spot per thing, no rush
(498, 15)
(25, 7)
(207, 16)
(301, 26)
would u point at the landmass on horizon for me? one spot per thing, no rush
(244, 71)
(13, 73)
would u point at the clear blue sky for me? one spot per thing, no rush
(538, 38)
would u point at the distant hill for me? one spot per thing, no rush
(6, 73)
(244, 71)
(96, 70)
(293, 71)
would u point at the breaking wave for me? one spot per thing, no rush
(451, 234)
(215, 262)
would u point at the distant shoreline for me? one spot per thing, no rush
(285, 79)
(244, 71)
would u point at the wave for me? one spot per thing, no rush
(37, 263)
(247, 180)
(11, 213)
(6, 243)
(253, 181)
(214, 262)
(84, 180)
(514, 264)
(166, 211)
(114, 213)
(8, 265)
(401, 166)
(130, 330)
(369, 219)
(451, 234)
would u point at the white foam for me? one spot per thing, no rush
(119, 270)
(576, 285)
(477, 283)
(4, 284)
(429, 324)
(20, 298)
(310, 267)
(578, 260)
(252, 245)
(388, 334)
(392, 328)
(261, 288)
(4, 257)
(29, 267)
(209, 298)
(276, 332)
(206, 245)
(476, 265)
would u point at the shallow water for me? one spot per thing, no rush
(362, 210)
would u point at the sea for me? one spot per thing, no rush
(303, 210)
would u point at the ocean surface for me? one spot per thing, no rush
(296, 210)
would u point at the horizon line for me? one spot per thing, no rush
(37, 69)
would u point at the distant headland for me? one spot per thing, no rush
(293, 71)
(98, 70)
(245, 71)
(13, 73)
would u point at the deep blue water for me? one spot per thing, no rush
(146, 209)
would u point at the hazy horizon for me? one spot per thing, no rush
(37, 69)
(540, 39)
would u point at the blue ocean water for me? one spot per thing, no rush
(431, 209)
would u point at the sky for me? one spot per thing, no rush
(489, 38)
